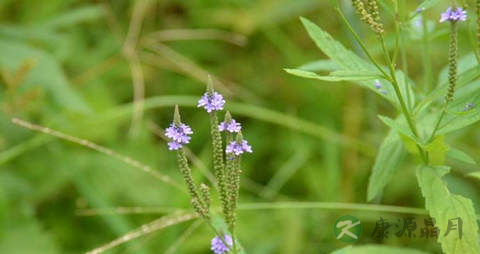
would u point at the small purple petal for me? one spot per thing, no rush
(378, 85)
(174, 146)
(458, 14)
(238, 148)
(179, 135)
(232, 126)
(219, 247)
(211, 102)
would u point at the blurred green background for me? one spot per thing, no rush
(77, 66)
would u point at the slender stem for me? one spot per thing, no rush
(437, 124)
(426, 56)
(397, 32)
(331, 206)
(396, 87)
(362, 45)
(405, 72)
(405, 110)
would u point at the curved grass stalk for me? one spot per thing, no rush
(332, 206)
(153, 226)
(127, 160)
(255, 112)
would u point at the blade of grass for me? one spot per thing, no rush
(284, 174)
(161, 223)
(134, 163)
(255, 112)
(183, 237)
(21, 148)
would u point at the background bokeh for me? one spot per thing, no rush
(76, 66)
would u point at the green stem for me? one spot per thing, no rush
(437, 124)
(360, 42)
(426, 57)
(332, 206)
(403, 106)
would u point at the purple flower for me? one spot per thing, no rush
(232, 126)
(174, 145)
(179, 134)
(211, 101)
(378, 85)
(219, 247)
(383, 91)
(454, 15)
(238, 147)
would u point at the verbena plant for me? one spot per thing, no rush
(226, 165)
(426, 114)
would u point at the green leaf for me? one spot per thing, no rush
(75, 16)
(437, 150)
(334, 76)
(397, 126)
(409, 144)
(320, 65)
(443, 206)
(460, 156)
(368, 249)
(427, 4)
(349, 61)
(457, 117)
(390, 154)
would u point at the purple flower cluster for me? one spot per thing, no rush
(179, 134)
(238, 147)
(232, 126)
(219, 247)
(450, 14)
(211, 101)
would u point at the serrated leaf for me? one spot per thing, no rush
(443, 206)
(334, 76)
(368, 249)
(389, 156)
(460, 156)
(437, 150)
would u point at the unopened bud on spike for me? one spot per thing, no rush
(228, 117)
(176, 116)
(239, 137)
(210, 85)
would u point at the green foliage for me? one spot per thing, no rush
(386, 163)
(314, 144)
(443, 206)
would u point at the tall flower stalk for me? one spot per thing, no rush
(226, 166)
(452, 15)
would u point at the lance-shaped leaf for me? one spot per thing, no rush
(389, 156)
